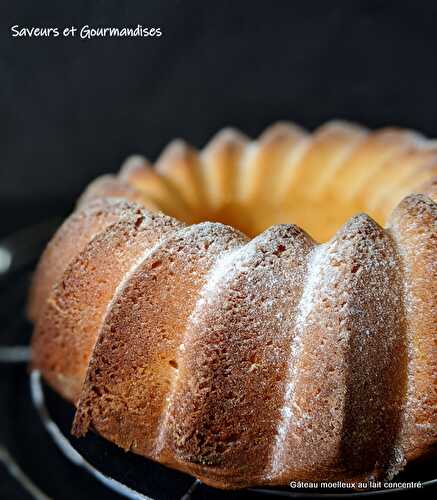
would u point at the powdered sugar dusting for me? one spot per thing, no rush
(220, 270)
(316, 261)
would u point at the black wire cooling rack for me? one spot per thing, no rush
(37, 451)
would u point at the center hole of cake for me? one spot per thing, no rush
(319, 218)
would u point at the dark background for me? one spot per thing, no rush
(72, 109)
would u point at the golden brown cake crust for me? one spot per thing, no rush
(349, 349)
(69, 240)
(70, 322)
(414, 228)
(136, 356)
(253, 361)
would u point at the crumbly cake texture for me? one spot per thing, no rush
(262, 356)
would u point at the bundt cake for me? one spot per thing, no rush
(191, 320)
